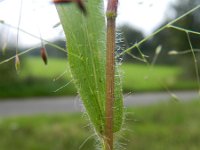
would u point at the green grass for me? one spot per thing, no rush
(171, 126)
(36, 79)
(135, 76)
(144, 78)
(34, 66)
(157, 78)
(43, 133)
(166, 126)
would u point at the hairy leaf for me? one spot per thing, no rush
(86, 44)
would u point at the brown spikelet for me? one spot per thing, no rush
(62, 1)
(81, 6)
(17, 63)
(43, 54)
(79, 3)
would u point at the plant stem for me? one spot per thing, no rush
(110, 72)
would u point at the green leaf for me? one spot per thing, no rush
(86, 44)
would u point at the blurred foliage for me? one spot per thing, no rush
(130, 36)
(51, 51)
(190, 22)
(34, 78)
(37, 79)
(8, 73)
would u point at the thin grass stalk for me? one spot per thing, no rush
(110, 72)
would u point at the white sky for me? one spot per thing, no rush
(40, 16)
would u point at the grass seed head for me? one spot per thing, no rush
(43, 54)
(173, 52)
(17, 63)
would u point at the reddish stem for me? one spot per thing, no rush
(110, 72)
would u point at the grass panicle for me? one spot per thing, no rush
(43, 54)
(17, 63)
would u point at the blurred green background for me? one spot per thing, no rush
(36, 79)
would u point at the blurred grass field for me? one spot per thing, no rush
(166, 126)
(36, 79)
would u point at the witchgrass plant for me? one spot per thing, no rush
(92, 61)
(92, 68)
(91, 46)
